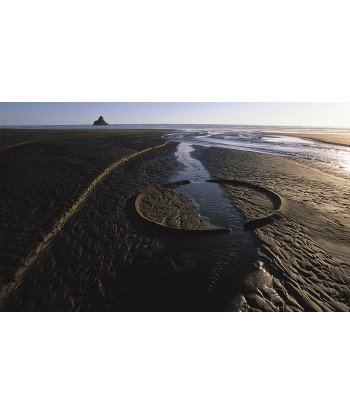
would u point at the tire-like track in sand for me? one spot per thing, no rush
(58, 226)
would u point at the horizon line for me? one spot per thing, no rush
(168, 123)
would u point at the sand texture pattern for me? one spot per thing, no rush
(172, 211)
(71, 239)
(45, 183)
(307, 249)
(61, 222)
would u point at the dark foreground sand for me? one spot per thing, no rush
(42, 181)
(72, 240)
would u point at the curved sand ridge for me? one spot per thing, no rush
(273, 196)
(154, 205)
(162, 207)
(42, 246)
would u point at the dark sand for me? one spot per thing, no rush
(164, 207)
(72, 240)
(42, 181)
(15, 137)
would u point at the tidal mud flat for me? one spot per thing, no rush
(68, 203)
(43, 180)
(306, 247)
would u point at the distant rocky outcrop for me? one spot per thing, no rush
(100, 121)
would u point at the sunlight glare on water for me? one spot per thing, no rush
(254, 139)
(345, 160)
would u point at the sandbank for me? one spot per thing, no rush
(331, 138)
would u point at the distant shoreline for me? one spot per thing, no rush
(14, 136)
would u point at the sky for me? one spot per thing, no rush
(247, 113)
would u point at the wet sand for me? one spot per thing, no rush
(331, 138)
(43, 181)
(306, 248)
(10, 137)
(72, 239)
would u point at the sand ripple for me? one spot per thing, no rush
(306, 251)
(68, 221)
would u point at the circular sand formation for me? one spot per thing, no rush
(163, 207)
(274, 198)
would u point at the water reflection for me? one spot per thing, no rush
(335, 156)
(344, 160)
(222, 261)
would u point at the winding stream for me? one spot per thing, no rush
(225, 260)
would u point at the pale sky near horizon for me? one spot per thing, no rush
(248, 113)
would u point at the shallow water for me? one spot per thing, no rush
(226, 259)
(253, 139)
(209, 196)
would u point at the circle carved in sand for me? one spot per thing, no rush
(250, 202)
(162, 206)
